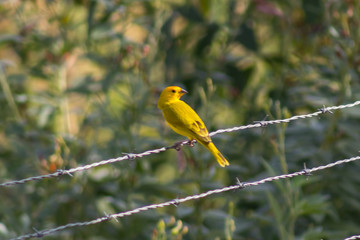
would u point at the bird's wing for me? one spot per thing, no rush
(185, 121)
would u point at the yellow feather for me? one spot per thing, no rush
(185, 121)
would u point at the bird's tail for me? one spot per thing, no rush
(217, 154)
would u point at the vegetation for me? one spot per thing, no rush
(79, 82)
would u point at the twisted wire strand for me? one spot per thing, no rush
(177, 146)
(83, 168)
(176, 202)
(286, 120)
(353, 237)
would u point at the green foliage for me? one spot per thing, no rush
(79, 82)
(173, 230)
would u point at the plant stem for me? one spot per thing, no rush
(8, 94)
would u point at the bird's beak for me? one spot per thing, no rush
(182, 91)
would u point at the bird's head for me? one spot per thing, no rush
(170, 94)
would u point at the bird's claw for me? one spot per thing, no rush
(191, 142)
(177, 146)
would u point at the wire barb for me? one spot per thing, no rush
(63, 172)
(324, 110)
(110, 216)
(130, 156)
(176, 146)
(306, 171)
(177, 201)
(263, 123)
(38, 234)
(240, 184)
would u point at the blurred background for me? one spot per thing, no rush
(79, 83)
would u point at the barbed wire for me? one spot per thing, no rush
(176, 202)
(353, 237)
(286, 120)
(176, 146)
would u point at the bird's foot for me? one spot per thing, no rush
(177, 146)
(191, 142)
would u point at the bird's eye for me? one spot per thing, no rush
(173, 91)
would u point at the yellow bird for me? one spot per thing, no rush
(185, 121)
